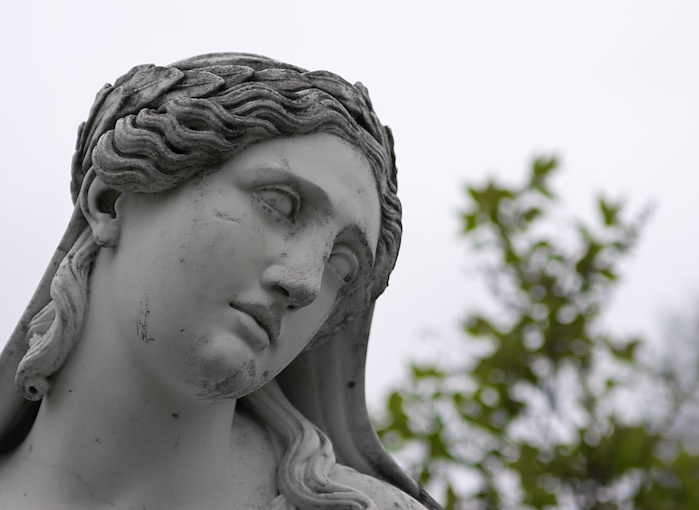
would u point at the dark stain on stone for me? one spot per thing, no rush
(351, 384)
(225, 387)
(142, 322)
(176, 416)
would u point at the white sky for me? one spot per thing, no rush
(469, 89)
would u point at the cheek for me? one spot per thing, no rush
(158, 280)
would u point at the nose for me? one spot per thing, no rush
(297, 280)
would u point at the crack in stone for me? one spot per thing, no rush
(226, 217)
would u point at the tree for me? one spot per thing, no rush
(541, 406)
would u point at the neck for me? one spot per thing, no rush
(107, 431)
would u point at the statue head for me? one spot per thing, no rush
(160, 129)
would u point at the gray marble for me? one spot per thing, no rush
(199, 337)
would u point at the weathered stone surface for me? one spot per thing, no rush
(199, 338)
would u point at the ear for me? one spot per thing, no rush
(98, 204)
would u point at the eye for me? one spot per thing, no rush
(344, 263)
(282, 200)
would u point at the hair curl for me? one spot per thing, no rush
(303, 476)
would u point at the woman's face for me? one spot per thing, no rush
(219, 284)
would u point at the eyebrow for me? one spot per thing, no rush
(320, 195)
(363, 242)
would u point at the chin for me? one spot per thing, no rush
(227, 370)
(236, 385)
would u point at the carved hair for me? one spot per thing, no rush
(155, 128)
(54, 330)
(303, 476)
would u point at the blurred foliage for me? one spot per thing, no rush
(543, 408)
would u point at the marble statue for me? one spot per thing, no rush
(198, 340)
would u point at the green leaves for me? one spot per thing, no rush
(610, 211)
(542, 168)
(541, 406)
(488, 199)
(399, 420)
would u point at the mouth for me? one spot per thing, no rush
(263, 316)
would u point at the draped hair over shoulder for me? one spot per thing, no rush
(157, 127)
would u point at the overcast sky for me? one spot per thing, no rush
(470, 89)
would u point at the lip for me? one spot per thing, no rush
(263, 317)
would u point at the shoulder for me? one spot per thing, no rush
(384, 495)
